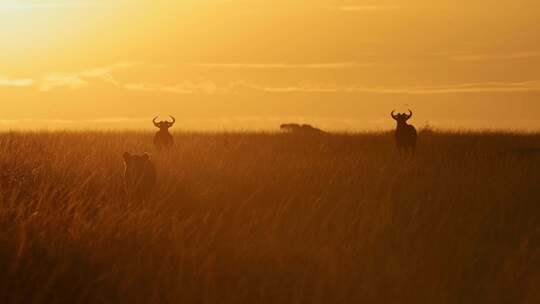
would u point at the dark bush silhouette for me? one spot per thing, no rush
(297, 128)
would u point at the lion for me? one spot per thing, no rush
(139, 176)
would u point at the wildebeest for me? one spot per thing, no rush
(139, 176)
(405, 134)
(163, 139)
(297, 128)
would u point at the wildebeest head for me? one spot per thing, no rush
(401, 117)
(163, 125)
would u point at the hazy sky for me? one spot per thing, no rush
(229, 64)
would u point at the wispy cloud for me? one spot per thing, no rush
(15, 82)
(366, 8)
(32, 5)
(317, 65)
(83, 78)
(187, 87)
(485, 87)
(58, 80)
(486, 56)
(90, 77)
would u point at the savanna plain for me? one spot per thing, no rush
(271, 218)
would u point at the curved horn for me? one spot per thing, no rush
(392, 114)
(173, 120)
(154, 121)
(410, 114)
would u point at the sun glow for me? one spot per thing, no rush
(30, 29)
(21, 5)
(256, 64)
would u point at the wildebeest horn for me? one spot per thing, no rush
(154, 121)
(392, 114)
(410, 114)
(173, 120)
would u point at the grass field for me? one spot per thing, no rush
(272, 218)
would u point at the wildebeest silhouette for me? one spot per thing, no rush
(163, 139)
(406, 135)
(297, 128)
(139, 176)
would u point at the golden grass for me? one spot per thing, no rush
(270, 218)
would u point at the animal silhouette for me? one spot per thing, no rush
(139, 176)
(163, 140)
(406, 135)
(297, 128)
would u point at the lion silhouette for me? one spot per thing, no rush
(139, 176)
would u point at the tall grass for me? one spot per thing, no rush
(271, 218)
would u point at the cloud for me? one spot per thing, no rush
(88, 77)
(57, 80)
(319, 65)
(366, 8)
(83, 78)
(486, 57)
(485, 87)
(188, 87)
(14, 82)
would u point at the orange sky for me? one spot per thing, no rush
(253, 64)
